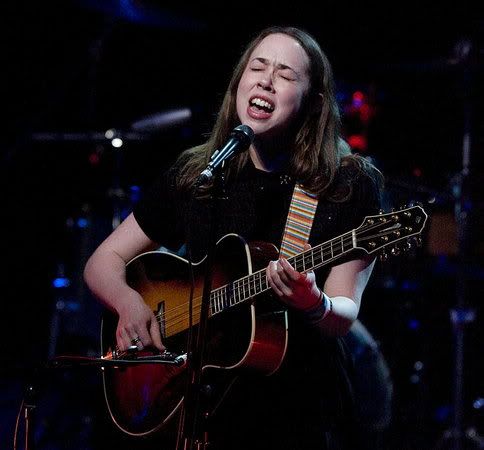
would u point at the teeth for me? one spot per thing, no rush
(261, 103)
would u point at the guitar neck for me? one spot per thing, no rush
(256, 283)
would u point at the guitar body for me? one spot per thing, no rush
(242, 333)
(251, 336)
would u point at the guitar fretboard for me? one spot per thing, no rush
(251, 285)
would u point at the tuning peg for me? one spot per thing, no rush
(418, 241)
(416, 203)
(395, 251)
(383, 256)
(407, 245)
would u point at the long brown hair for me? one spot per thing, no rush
(317, 151)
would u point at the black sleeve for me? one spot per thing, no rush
(366, 199)
(159, 211)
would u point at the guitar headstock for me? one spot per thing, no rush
(392, 232)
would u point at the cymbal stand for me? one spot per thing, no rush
(28, 407)
(462, 315)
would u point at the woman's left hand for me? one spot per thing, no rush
(298, 290)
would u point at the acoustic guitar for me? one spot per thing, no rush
(246, 331)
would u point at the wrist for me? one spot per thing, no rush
(125, 303)
(318, 295)
(320, 310)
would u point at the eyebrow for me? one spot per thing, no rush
(279, 66)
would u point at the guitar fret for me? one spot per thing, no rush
(240, 291)
(300, 264)
(254, 289)
(223, 298)
(244, 288)
(219, 301)
(315, 255)
(237, 295)
(256, 282)
(349, 242)
(231, 296)
(308, 261)
(217, 309)
(263, 284)
(213, 303)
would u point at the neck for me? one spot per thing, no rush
(268, 161)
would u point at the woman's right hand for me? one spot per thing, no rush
(137, 325)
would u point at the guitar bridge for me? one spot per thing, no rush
(165, 357)
(132, 356)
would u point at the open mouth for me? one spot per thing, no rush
(261, 104)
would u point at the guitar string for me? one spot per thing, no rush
(348, 238)
(316, 249)
(180, 318)
(220, 289)
(223, 298)
(178, 324)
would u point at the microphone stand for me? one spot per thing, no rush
(194, 432)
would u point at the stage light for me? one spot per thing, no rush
(61, 282)
(117, 142)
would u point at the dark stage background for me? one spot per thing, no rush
(410, 85)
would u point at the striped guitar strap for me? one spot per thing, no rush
(299, 221)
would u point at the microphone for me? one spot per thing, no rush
(239, 140)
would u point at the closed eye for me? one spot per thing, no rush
(287, 77)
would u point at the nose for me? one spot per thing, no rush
(265, 82)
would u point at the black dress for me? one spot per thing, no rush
(307, 404)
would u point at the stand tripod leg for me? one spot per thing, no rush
(457, 435)
(29, 407)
